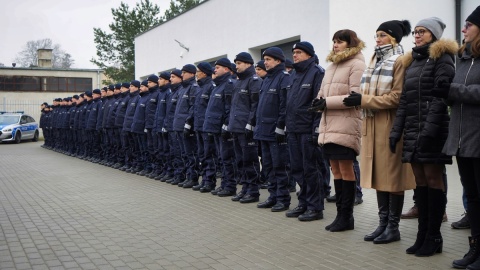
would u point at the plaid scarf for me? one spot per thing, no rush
(378, 77)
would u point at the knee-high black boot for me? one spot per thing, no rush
(421, 200)
(338, 186)
(383, 202)
(346, 221)
(436, 208)
(391, 233)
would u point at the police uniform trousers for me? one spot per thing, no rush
(151, 142)
(246, 156)
(227, 157)
(178, 158)
(303, 158)
(188, 147)
(140, 150)
(275, 161)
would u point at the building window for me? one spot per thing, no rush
(51, 84)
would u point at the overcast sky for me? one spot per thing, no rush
(69, 23)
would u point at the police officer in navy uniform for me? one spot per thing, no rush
(241, 124)
(115, 130)
(91, 127)
(204, 80)
(162, 147)
(107, 126)
(302, 127)
(120, 134)
(270, 129)
(174, 161)
(71, 130)
(183, 124)
(150, 111)
(128, 138)
(216, 125)
(138, 129)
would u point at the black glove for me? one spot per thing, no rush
(393, 144)
(226, 135)
(318, 105)
(248, 134)
(210, 137)
(186, 132)
(440, 92)
(315, 140)
(425, 143)
(280, 138)
(354, 99)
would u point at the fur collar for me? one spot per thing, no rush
(348, 53)
(436, 50)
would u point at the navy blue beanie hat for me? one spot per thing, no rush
(224, 62)
(244, 57)
(88, 93)
(165, 75)
(176, 72)
(304, 46)
(206, 68)
(135, 83)
(105, 88)
(288, 63)
(189, 68)
(145, 83)
(82, 95)
(275, 52)
(111, 87)
(475, 17)
(261, 64)
(97, 91)
(118, 86)
(233, 68)
(153, 78)
(126, 84)
(74, 96)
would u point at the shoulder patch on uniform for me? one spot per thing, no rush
(286, 73)
(255, 78)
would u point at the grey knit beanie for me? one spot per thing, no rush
(434, 25)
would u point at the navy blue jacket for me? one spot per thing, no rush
(139, 119)
(95, 108)
(99, 126)
(244, 101)
(112, 112)
(107, 104)
(201, 102)
(122, 109)
(72, 112)
(78, 115)
(184, 109)
(272, 103)
(130, 112)
(64, 118)
(172, 101)
(83, 115)
(306, 82)
(151, 107)
(218, 107)
(161, 112)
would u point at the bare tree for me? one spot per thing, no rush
(28, 56)
(2, 64)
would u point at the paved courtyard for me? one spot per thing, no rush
(59, 212)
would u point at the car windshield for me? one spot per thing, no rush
(9, 119)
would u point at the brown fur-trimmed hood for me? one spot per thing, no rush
(436, 50)
(348, 53)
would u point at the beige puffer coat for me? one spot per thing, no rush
(341, 124)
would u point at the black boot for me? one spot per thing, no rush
(382, 202)
(338, 185)
(436, 208)
(421, 201)
(391, 233)
(345, 221)
(472, 255)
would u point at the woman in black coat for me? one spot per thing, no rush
(423, 120)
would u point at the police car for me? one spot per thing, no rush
(17, 126)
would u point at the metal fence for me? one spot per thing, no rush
(30, 107)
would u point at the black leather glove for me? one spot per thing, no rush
(280, 138)
(186, 132)
(226, 135)
(210, 137)
(425, 143)
(442, 89)
(393, 144)
(354, 99)
(318, 105)
(248, 134)
(315, 140)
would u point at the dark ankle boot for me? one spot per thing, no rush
(346, 221)
(338, 185)
(421, 195)
(382, 201)
(436, 208)
(391, 233)
(472, 255)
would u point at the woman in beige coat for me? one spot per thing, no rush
(382, 84)
(340, 125)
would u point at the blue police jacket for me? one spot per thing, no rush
(272, 104)
(112, 112)
(107, 106)
(151, 107)
(184, 109)
(130, 112)
(201, 102)
(78, 113)
(88, 109)
(122, 109)
(139, 118)
(218, 107)
(64, 117)
(72, 113)
(161, 112)
(306, 83)
(83, 115)
(93, 116)
(172, 101)
(244, 101)
(100, 114)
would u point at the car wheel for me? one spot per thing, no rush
(18, 137)
(35, 136)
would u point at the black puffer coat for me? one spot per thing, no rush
(422, 118)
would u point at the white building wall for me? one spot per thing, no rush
(219, 28)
